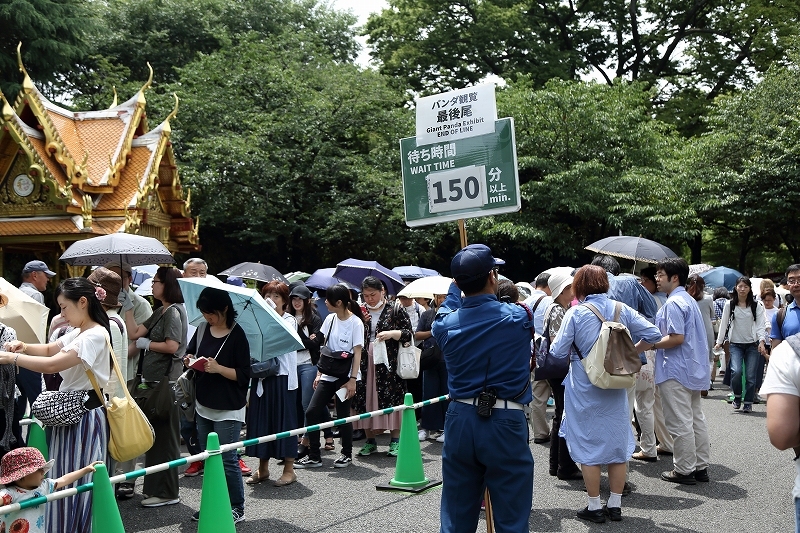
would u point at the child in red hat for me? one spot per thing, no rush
(22, 471)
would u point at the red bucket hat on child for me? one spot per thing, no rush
(21, 462)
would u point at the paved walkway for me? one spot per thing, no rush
(749, 491)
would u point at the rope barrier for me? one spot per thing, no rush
(202, 456)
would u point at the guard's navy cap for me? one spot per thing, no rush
(473, 262)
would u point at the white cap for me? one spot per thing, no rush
(559, 281)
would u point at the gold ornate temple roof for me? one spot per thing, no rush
(67, 175)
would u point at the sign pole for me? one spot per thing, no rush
(462, 232)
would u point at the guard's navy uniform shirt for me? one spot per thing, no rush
(472, 331)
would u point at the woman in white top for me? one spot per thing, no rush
(79, 351)
(743, 321)
(344, 332)
(273, 403)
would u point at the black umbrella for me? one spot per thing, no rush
(633, 248)
(255, 271)
(132, 249)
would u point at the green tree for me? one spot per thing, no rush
(748, 163)
(170, 34)
(579, 145)
(54, 35)
(692, 51)
(292, 156)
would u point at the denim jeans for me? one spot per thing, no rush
(228, 431)
(747, 353)
(797, 515)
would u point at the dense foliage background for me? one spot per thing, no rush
(671, 119)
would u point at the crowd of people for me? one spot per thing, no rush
(476, 340)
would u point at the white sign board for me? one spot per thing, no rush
(456, 114)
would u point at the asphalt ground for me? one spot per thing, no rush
(750, 491)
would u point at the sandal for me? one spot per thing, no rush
(255, 479)
(329, 444)
(124, 490)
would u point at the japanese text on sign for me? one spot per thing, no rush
(456, 114)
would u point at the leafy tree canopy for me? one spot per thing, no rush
(54, 35)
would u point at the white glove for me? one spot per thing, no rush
(143, 343)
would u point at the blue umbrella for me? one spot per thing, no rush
(269, 335)
(414, 272)
(143, 272)
(721, 277)
(323, 278)
(355, 270)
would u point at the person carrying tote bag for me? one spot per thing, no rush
(163, 339)
(85, 348)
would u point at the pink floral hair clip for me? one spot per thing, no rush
(100, 293)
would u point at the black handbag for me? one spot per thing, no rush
(264, 369)
(336, 364)
(430, 357)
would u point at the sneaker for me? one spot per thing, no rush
(758, 399)
(342, 462)
(729, 399)
(155, 501)
(196, 516)
(748, 408)
(737, 404)
(359, 434)
(238, 514)
(308, 462)
(435, 435)
(244, 468)
(393, 448)
(422, 434)
(440, 438)
(368, 449)
(195, 469)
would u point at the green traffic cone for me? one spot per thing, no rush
(37, 438)
(215, 503)
(105, 513)
(409, 475)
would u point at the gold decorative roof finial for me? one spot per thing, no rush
(19, 59)
(114, 103)
(174, 112)
(8, 111)
(146, 85)
(27, 83)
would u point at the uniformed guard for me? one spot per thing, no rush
(486, 346)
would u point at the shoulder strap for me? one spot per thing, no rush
(594, 310)
(794, 342)
(117, 321)
(115, 366)
(780, 318)
(538, 302)
(530, 317)
(617, 310)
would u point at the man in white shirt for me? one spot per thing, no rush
(782, 389)
(538, 302)
(35, 277)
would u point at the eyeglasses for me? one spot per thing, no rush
(659, 276)
(793, 281)
(157, 281)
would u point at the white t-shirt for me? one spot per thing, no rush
(343, 336)
(783, 377)
(30, 520)
(92, 349)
